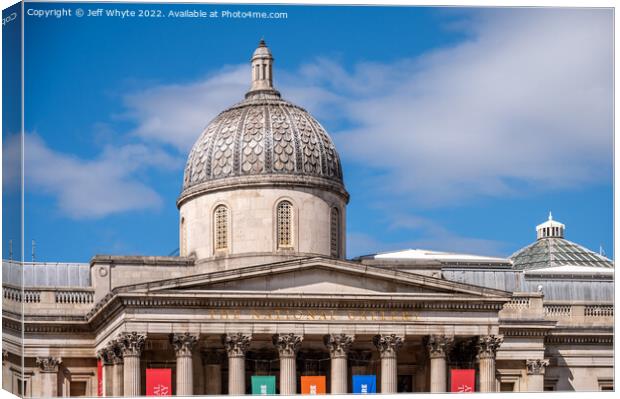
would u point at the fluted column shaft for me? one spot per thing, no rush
(487, 348)
(183, 345)
(288, 345)
(131, 345)
(438, 348)
(107, 378)
(339, 346)
(49, 375)
(536, 374)
(236, 346)
(118, 379)
(388, 346)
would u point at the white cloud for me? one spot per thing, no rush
(526, 101)
(94, 188)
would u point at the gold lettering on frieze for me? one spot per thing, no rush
(313, 314)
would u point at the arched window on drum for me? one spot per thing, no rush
(334, 231)
(221, 228)
(284, 225)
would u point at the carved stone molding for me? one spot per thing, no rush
(287, 344)
(48, 364)
(183, 343)
(213, 356)
(488, 345)
(439, 345)
(104, 355)
(536, 366)
(236, 344)
(388, 345)
(338, 344)
(132, 343)
(5, 355)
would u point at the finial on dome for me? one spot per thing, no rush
(550, 216)
(262, 71)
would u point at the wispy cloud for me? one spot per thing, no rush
(94, 188)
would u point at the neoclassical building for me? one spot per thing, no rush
(262, 287)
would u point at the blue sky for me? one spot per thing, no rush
(459, 129)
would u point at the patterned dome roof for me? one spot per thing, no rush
(262, 138)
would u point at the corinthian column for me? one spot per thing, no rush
(536, 374)
(288, 345)
(338, 345)
(131, 345)
(105, 356)
(388, 346)
(48, 367)
(487, 348)
(438, 348)
(183, 345)
(236, 345)
(115, 353)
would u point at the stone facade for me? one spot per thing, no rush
(218, 314)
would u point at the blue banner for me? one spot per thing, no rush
(364, 384)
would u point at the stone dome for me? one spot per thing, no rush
(263, 139)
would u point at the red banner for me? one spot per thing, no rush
(99, 378)
(462, 381)
(158, 382)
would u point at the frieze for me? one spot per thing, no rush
(581, 340)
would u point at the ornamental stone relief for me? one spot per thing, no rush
(536, 366)
(236, 344)
(131, 343)
(48, 364)
(338, 344)
(488, 345)
(183, 344)
(388, 345)
(287, 344)
(439, 345)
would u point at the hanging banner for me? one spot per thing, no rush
(313, 385)
(158, 382)
(99, 378)
(462, 381)
(364, 384)
(263, 385)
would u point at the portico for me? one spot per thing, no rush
(224, 327)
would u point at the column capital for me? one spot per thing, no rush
(48, 364)
(131, 343)
(183, 343)
(388, 344)
(236, 344)
(287, 344)
(488, 345)
(536, 366)
(104, 355)
(439, 345)
(338, 344)
(114, 352)
(213, 356)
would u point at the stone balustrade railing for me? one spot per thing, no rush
(47, 297)
(599, 311)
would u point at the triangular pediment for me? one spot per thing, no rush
(317, 276)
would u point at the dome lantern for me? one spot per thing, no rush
(262, 71)
(550, 229)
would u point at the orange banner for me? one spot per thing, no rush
(313, 385)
